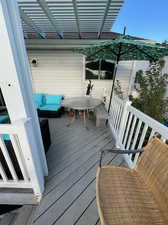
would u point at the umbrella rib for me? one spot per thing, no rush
(113, 52)
(145, 53)
(124, 52)
(101, 50)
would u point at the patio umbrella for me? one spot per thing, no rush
(124, 48)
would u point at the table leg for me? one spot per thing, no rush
(84, 119)
(73, 119)
(88, 114)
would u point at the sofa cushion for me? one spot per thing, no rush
(53, 99)
(50, 107)
(5, 137)
(3, 118)
(38, 97)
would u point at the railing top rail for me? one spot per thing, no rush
(160, 128)
(13, 127)
(119, 100)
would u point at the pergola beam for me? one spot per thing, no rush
(104, 18)
(77, 17)
(31, 24)
(51, 18)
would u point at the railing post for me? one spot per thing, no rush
(123, 123)
(31, 156)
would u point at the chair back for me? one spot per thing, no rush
(153, 169)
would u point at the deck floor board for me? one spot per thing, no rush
(73, 158)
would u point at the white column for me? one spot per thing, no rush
(15, 79)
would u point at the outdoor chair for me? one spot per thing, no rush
(136, 196)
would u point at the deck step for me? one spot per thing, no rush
(17, 197)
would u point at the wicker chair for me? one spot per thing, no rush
(136, 196)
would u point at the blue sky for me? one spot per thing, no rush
(144, 18)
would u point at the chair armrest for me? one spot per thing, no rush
(117, 151)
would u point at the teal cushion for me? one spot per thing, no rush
(50, 107)
(53, 99)
(5, 137)
(38, 97)
(3, 118)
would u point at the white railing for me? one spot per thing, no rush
(18, 160)
(131, 128)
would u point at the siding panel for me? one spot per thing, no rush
(57, 72)
(62, 72)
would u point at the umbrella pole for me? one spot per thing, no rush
(113, 84)
(114, 78)
(115, 73)
(112, 89)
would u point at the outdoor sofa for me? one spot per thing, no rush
(48, 106)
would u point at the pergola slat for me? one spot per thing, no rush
(77, 17)
(31, 24)
(51, 18)
(104, 18)
(70, 16)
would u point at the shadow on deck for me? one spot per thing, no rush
(73, 158)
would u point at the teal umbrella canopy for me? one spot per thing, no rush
(124, 48)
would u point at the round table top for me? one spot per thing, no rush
(81, 103)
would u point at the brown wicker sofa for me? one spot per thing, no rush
(136, 196)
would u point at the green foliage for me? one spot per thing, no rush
(151, 88)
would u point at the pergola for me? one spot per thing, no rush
(57, 17)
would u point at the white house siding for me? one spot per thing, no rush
(57, 72)
(63, 72)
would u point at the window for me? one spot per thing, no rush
(99, 70)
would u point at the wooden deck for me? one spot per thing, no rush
(69, 198)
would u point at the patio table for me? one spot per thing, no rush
(81, 104)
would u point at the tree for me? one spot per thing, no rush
(151, 87)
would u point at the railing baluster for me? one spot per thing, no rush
(127, 129)
(119, 118)
(131, 133)
(143, 136)
(3, 174)
(127, 123)
(112, 112)
(17, 149)
(116, 118)
(140, 143)
(123, 123)
(136, 134)
(8, 159)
